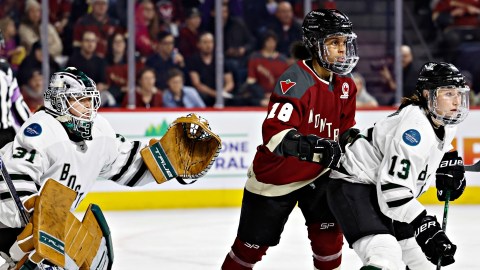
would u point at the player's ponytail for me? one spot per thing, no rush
(300, 51)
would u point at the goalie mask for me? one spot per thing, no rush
(448, 93)
(325, 30)
(73, 99)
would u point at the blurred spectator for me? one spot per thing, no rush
(117, 68)
(177, 95)
(202, 71)
(165, 58)
(364, 99)
(188, 39)
(238, 42)
(166, 14)
(12, 52)
(146, 94)
(29, 30)
(33, 91)
(459, 21)
(97, 22)
(181, 8)
(12, 9)
(235, 7)
(264, 69)
(258, 15)
(146, 28)
(33, 61)
(286, 27)
(93, 66)
(58, 13)
(411, 68)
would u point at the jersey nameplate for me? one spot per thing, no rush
(33, 130)
(411, 137)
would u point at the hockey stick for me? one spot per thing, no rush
(13, 192)
(444, 222)
(473, 168)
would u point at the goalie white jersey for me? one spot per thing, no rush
(43, 149)
(399, 155)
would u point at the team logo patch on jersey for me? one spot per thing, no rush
(33, 130)
(411, 137)
(345, 90)
(286, 85)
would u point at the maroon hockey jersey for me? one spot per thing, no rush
(302, 101)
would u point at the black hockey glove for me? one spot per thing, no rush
(433, 240)
(311, 148)
(315, 149)
(450, 175)
(348, 136)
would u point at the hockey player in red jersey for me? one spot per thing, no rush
(313, 103)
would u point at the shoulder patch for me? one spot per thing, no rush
(286, 85)
(33, 130)
(411, 137)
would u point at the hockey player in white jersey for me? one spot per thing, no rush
(69, 142)
(386, 167)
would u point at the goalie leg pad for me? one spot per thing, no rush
(243, 256)
(326, 240)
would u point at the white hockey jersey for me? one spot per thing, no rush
(42, 149)
(399, 155)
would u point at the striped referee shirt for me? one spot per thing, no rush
(13, 109)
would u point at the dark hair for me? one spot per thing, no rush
(268, 34)
(174, 72)
(143, 71)
(109, 55)
(162, 35)
(414, 99)
(299, 51)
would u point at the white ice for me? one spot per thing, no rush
(199, 239)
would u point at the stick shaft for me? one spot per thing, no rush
(444, 222)
(13, 192)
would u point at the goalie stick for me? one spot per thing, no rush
(4, 176)
(13, 192)
(473, 168)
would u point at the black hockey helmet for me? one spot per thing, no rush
(321, 24)
(440, 76)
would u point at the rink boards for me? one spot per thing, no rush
(240, 130)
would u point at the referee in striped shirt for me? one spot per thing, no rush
(13, 109)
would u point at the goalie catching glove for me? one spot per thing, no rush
(186, 151)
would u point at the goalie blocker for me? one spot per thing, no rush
(186, 151)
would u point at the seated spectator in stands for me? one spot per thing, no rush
(97, 22)
(202, 70)
(177, 95)
(33, 61)
(168, 22)
(146, 94)
(264, 68)
(33, 91)
(258, 15)
(166, 57)
(411, 68)
(117, 67)
(286, 27)
(11, 51)
(364, 99)
(459, 16)
(146, 28)
(29, 30)
(238, 42)
(188, 38)
(94, 67)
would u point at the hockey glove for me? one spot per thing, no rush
(348, 136)
(450, 175)
(432, 240)
(315, 149)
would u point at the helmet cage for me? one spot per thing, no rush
(449, 117)
(74, 100)
(340, 65)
